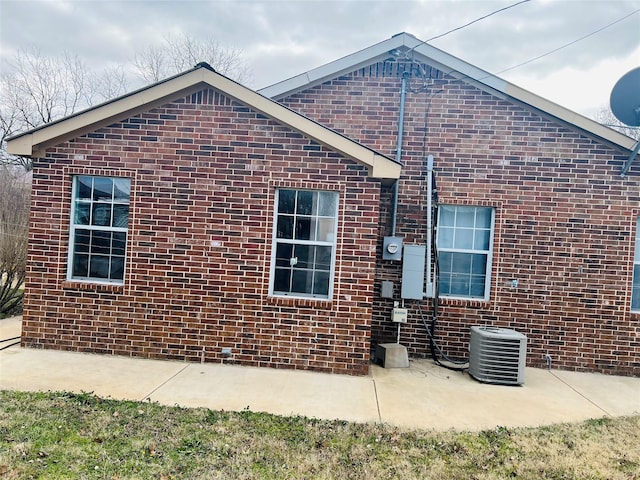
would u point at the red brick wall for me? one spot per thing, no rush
(203, 171)
(565, 220)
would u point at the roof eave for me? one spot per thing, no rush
(452, 66)
(347, 64)
(35, 142)
(570, 117)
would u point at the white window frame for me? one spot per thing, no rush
(635, 275)
(488, 252)
(327, 242)
(74, 227)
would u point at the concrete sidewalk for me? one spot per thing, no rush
(421, 396)
(10, 330)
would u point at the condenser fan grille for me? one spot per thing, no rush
(497, 355)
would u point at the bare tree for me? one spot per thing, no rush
(14, 217)
(180, 52)
(606, 117)
(40, 89)
(106, 85)
(35, 89)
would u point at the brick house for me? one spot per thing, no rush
(197, 219)
(544, 181)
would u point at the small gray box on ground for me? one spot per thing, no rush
(392, 355)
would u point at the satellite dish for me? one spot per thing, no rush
(625, 98)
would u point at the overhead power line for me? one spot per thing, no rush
(472, 22)
(467, 24)
(570, 43)
(546, 53)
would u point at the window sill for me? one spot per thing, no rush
(93, 287)
(317, 303)
(464, 302)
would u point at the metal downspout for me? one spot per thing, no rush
(403, 94)
(429, 233)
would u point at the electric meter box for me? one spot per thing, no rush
(392, 248)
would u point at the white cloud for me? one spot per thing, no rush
(284, 38)
(585, 90)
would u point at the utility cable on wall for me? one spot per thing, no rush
(437, 353)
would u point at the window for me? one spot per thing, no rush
(635, 291)
(303, 256)
(465, 243)
(99, 225)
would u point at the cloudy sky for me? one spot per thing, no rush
(282, 38)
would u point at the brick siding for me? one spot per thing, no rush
(565, 219)
(203, 172)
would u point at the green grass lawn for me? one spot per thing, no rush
(65, 435)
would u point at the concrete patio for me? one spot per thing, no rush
(421, 396)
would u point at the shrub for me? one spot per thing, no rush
(15, 193)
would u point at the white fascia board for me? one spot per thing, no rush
(334, 69)
(452, 66)
(381, 51)
(459, 69)
(505, 90)
(35, 141)
(22, 145)
(570, 117)
(378, 165)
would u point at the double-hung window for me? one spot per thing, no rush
(635, 291)
(465, 245)
(304, 243)
(99, 226)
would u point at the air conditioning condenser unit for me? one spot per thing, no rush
(497, 355)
